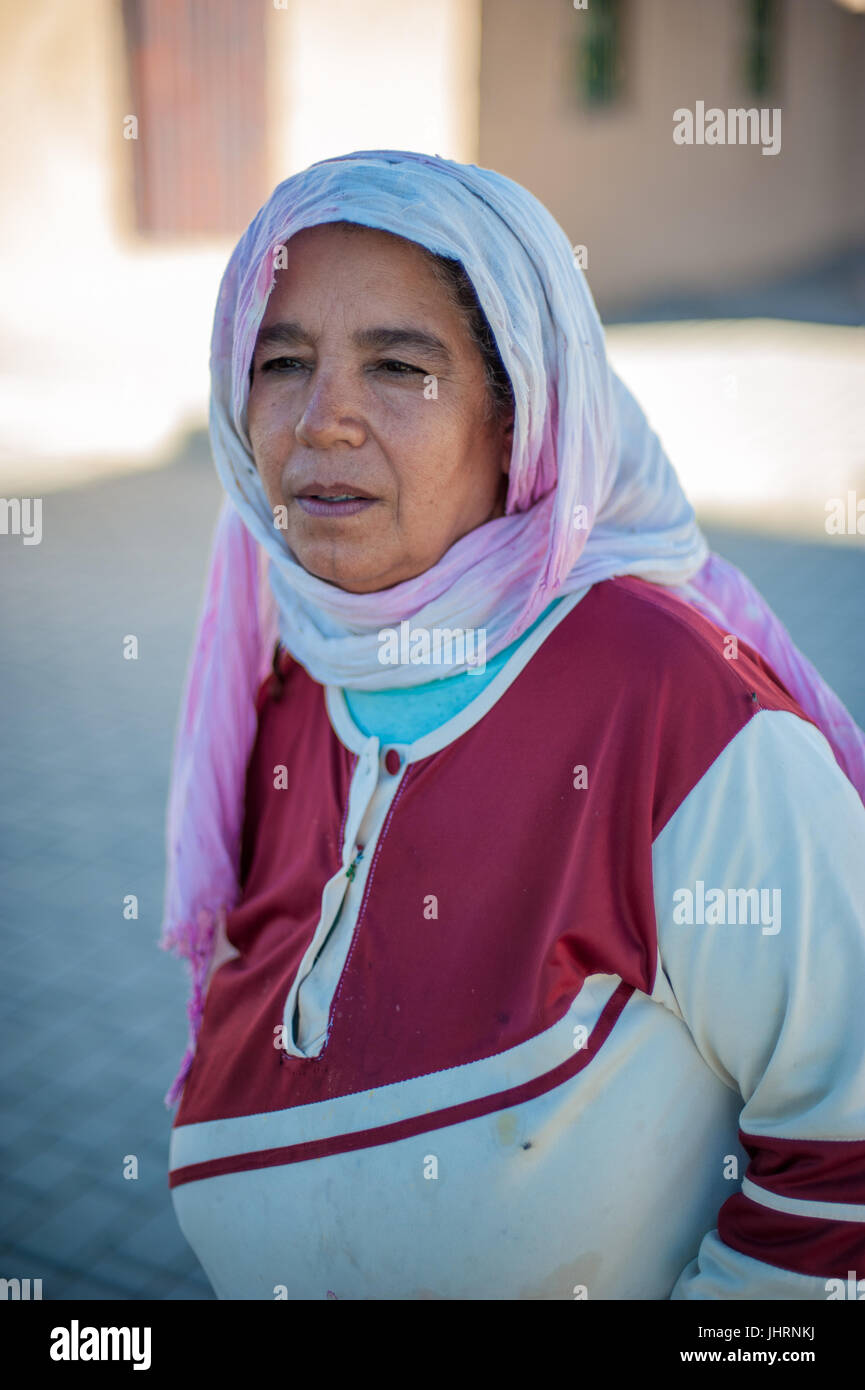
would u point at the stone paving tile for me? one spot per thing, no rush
(190, 1289)
(136, 1280)
(89, 1225)
(179, 1289)
(44, 1170)
(62, 1282)
(19, 1085)
(20, 1209)
(124, 1274)
(151, 1241)
(86, 1289)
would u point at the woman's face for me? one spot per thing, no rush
(368, 387)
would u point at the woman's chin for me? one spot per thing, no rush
(355, 574)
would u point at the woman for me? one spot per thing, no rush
(533, 973)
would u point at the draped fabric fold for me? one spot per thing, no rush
(591, 495)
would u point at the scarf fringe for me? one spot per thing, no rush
(193, 942)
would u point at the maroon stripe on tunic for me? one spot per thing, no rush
(417, 1124)
(800, 1244)
(810, 1170)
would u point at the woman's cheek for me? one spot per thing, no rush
(427, 447)
(270, 440)
(265, 459)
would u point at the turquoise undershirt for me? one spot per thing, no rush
(406, 714)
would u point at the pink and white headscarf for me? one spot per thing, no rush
(591, 494)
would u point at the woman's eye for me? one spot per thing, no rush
(292, 364)
(282, 364)
(397, 368)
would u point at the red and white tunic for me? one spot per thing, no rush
(562, 1000)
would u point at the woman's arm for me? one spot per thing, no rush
(776, 1005)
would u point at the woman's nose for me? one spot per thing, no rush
(331, 414)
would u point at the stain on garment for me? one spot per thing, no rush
(560, 1285)
(506, 1126)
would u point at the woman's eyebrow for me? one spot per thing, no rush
(387, 339)
(289, 334)
(292, 334)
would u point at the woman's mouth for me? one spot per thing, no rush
(337, 500)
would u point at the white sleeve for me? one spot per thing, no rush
(772, 988)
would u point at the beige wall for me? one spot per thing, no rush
(654, 215)
(383, 74)
(104, 335)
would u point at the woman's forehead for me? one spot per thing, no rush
(359, 271)
(441, 214)
(337, 241)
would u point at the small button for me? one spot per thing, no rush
(392, 761)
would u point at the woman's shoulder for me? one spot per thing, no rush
(653, 692)
(630, 626)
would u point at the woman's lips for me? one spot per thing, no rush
(334, 506)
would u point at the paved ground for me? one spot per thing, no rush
(93, 1014)
(93, 1021)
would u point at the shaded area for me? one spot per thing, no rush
(832, 290)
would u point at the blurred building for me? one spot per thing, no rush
(140, 136)
(578, 103)
(139, 139)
